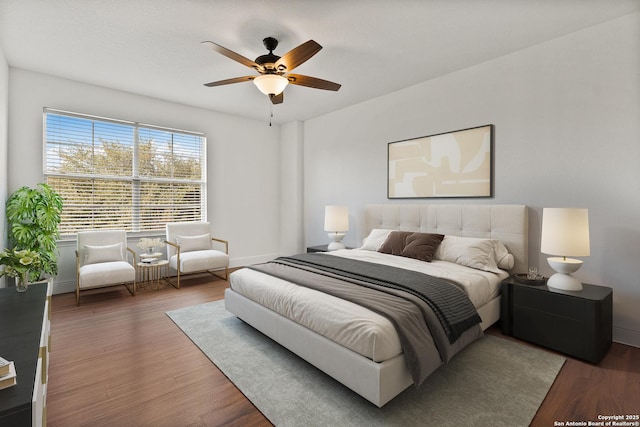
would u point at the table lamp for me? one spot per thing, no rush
(565, 232)
(336, 219)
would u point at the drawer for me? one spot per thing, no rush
(550, 330)
(549, 302)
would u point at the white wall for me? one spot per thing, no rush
(567, 134)
(4, 113)
(291, 188)
(242, 158)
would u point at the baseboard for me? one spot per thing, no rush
(63, 287)
(626, 336)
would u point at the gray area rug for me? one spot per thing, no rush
(493, 382)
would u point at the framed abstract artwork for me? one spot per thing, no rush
(452, 164)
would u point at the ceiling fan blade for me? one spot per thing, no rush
(232, 55)
(277, 99)
(297, 56)
(314, 82)
(230, 81)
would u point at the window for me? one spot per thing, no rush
(118, 174)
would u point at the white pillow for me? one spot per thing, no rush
(194, 243)
(375, 239)
(108, 253)
(504, 259)
(468, 251)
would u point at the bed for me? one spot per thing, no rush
(359, 347)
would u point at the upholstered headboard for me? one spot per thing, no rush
(507, 223)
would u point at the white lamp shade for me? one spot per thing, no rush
(336, 218)
(271, 84)
(565, 232)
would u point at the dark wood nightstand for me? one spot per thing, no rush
(319, 248)
(577, 323)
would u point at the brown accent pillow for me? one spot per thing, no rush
(422, 246)
(395, 243)
(408, 244)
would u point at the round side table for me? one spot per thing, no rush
(150, 273)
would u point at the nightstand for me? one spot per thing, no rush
(577, 323)
(319, 248)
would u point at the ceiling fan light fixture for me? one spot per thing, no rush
(271, 84)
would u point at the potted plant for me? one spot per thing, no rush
(33, 216)
(19, 264)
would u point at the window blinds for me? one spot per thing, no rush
(118, 174)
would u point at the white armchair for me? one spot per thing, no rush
(102, 261)
(190, 250)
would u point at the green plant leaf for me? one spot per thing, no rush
(33, 216)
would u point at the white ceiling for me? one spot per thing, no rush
(371, 47)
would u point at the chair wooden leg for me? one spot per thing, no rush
(226, 274)
(213, 273)
(175, 285)
(131, 290)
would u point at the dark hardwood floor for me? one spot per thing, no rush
(583, 391)
(119, 360)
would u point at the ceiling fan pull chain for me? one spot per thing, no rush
(270, 112)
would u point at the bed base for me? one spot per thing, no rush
(378, 382)
(489, 313)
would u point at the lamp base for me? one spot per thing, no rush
(337, 241)
(563, 278)
(563, 281)
(334, 246)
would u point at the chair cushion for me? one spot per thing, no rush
(194, 243)
(106, 274)
(191, 262)
(106, 253)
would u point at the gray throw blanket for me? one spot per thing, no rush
(412, 301)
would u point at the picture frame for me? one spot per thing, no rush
(456, 164)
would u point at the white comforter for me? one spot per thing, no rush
(349, 324)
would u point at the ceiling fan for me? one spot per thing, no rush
(274, 71)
